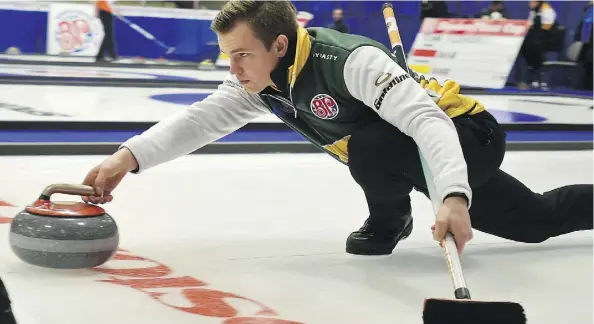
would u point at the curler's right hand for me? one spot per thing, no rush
(105, 177)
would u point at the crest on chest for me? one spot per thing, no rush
(324, 106)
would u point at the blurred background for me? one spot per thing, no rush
(78, 78)
(84, 76)
(185, 26)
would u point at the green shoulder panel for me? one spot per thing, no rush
(329, 52)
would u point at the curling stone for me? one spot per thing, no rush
(64, 235)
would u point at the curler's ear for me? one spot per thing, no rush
(281, 45)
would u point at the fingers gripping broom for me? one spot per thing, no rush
(461, 310)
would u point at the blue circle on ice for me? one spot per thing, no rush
(185, 99)
(510, 117)
(502, 116)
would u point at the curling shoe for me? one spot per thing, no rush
(379, 238)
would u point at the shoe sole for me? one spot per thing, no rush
(365, 248)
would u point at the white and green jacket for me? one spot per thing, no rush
(337, 83)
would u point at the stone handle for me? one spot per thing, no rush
(69, 189)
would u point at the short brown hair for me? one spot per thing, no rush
(267, 19)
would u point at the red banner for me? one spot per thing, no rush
(475, 27)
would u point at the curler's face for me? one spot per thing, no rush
(250, 61)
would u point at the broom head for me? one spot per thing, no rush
(464, 311)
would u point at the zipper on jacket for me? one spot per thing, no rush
(304, 119)
(291, 99)
(287, 123)
(283, 100)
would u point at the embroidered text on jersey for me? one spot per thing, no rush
(323, 56)
(395, 81)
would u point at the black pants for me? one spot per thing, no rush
(108, 43)
(586, 60)
(536, 43)
(587, 83)
(385, 163)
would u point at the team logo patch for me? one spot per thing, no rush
(324, 106)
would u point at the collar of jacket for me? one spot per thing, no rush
(291, 64)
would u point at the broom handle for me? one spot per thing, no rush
(448, 244)
(145, 33)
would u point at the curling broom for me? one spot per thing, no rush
(146, 34)
(462, 310)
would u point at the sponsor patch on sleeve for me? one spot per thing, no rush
(382, 80)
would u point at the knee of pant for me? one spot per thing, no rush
(516, 236)
(530, 230)
(533, 238)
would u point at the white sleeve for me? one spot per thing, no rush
(229, 108)
(372, 76)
